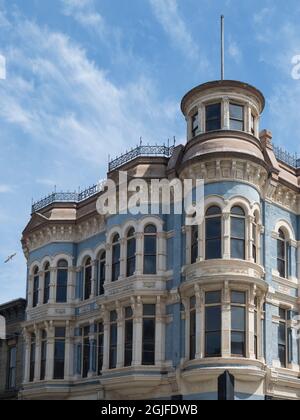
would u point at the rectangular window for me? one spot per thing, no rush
(253, 124)
(85, 352)
(12, 367)
(195, 124)
(59, 354)
(238, 324)
(43, 355)
(100, 348)
(149, 321)
(101, 276)
(36, 282)
(192, 328)
(113, 345)
(256, 328)
(150, 254)
(236, 117)
(282, 338)
(128, 336)
(213, 117)
(213, 324)
(238, 228)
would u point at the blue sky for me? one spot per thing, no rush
(87, 78)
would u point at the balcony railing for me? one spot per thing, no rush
(286, 157)
(140, 151)
(62, 197)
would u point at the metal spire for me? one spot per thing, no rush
(222, 48)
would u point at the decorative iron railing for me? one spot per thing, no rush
(140, 151)
(62, 197)
(286, 157)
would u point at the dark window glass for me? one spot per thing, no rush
(282, 338)
(254, 246)
(195, 125)
(85, 352)
(47, 276)
(282, 255)
(213, 238)
(194, 248)
(213, 323)
(236, 117)
(131, 251)
(256, 330)
(113, 340)
(100, 347)
(213, 117)
(253, 124)
(88, 279)
(238, 324)
(116, 254)
(32, 358)
(150, 250)
(148, 356)
(59, 354)
(128, 337)
(62, 282)
(192, 329)
(238, 233)
(213, 298)
(43, 355)
(101, 274)
(12, 366)
(36, 285)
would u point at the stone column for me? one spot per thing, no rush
(50, 352)
(201, 241)
(52, 296)
(108, 273)
(93, 344)
(120, 348)
(37, 367)
(30, 294)
(249, 238)
(123, 256)
(27, 340)
(139, 253)
(225, 123)
(159, 332)
(198, 294)
(137, 333)
(226, 236)
(251, 324)
(161, 253)
(188, 237)
(189, 127)
(41, 288)
(226, 322)
(94, 279)
(202, 118)
(106, 325)
(71, 294)
(248, 118)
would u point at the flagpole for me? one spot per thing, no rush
(222, 48)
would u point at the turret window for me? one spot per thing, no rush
(150, 249)
(101, 272)
(62, 282)
(213, 227)
(237, 117)
(282, 255)
(213, 324)
(195, 124)
(116, 255)
(213, 117)
(238, 233)
(238, 324)
(194, 247)
(47, 283)
(131, 251)
(36, 285)
(88, 279)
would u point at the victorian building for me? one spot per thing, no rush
(12, 349)
(145, 307)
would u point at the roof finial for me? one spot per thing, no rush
(222, 48)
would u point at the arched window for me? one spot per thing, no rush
(131, 251)
(150, 249)
(88, 279)
(194, 244)
(62, 282)
(255, 240)
(101, 272)
(282, 254)
(238, 233)
(116, 254)
(46, 283)
(213, 235)
(36, 285)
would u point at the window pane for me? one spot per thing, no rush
(213, 228)
(148, 342)
(59, 359)
(238, 318)
(282, 355)
(238, 249)
(238, 344)
(236, 125)
(150, 265)
(213, 111)
(150, 229)
(282, 334)
(150, 245)
(213, 211)
(213, 125)
(213, 319)
(213, 249)
(237, 228)
(61, 289)
(238, 297)
(149, 310)
(236, 112)
(213, 297)
(213, 344)
(192, 335)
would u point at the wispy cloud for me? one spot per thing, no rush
(167, 13)
(4, 188)
(234, 51)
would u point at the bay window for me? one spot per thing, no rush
(62, 282)
(213, 324)
(236, 117)
(238, 233)
(101, 273)
(238, 324)
(36, 285)
(100, 346)
(47, 276)
(192, 328)
(149, 320)
(131, 251)
(150, 250)
(88, 279)
(213, 117)
(43, 355)
(213, 235)
(128, 345)
(194, 245)
(32, 358)
(59, 354)
(113, 344)
(85, 351)
(116, 254)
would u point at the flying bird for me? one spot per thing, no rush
(10, 258)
